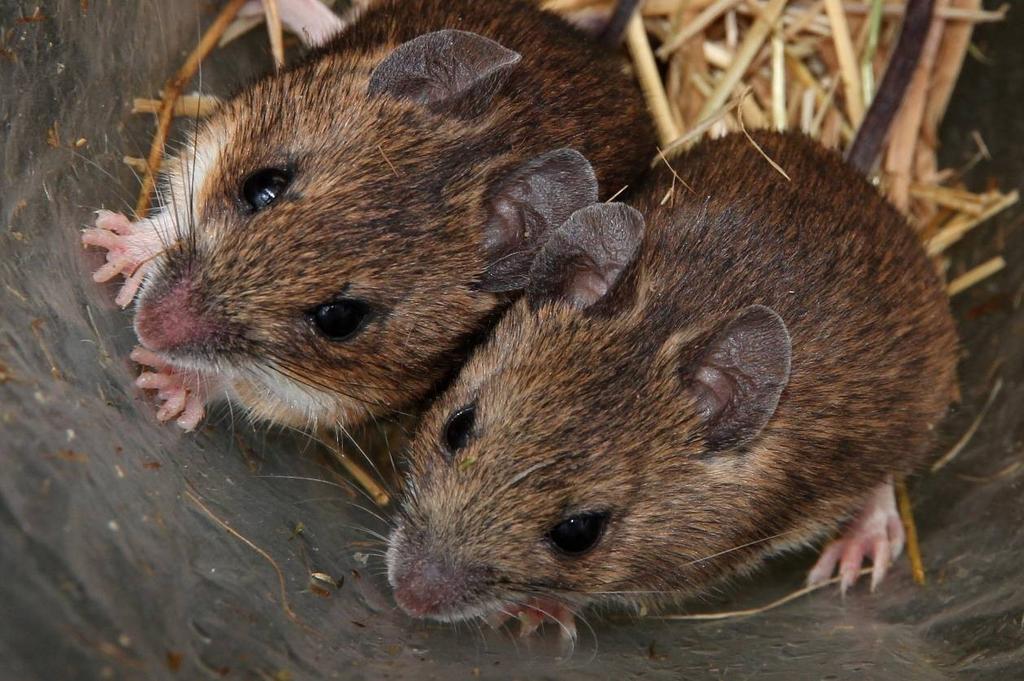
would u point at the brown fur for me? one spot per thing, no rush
(580, 410)
(389, 203)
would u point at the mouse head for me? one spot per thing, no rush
(581, 454)
(338, 232)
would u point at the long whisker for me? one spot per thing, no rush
(347, 486)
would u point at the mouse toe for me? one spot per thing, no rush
(876, 534)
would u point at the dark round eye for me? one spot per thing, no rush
(340, 319)
(578, 534)
(459, 428)
(264, 186)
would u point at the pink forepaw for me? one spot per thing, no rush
(877, 533)
(533, 613)
(130, 247)
(182, 396)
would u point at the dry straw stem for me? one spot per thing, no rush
(788, 598)
(172, 90)
(360, 474)
(976, 275)
(906, 128)
(948, 62)
(949, 197)
(239, 27)
(697, 131)
(194, 106)
(194, 498)
(956, 228)
(847, 60)
(748, 49)
(910, 527)
(958, 14)
(275, 31)
(779, 118)
(692, 28)
(650, 81)
(961, 444)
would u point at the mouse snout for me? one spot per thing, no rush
(172, 320)
(429, 586)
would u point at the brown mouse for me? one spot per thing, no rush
(683, 390)
(336, 235)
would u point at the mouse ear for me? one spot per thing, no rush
(443, 68)
(532, 200)
(584, 257)
(738, 376)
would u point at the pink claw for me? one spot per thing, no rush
(129, 245)
(877, 533)
(532, 614)
(182, 395)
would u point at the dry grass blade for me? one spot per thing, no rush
(172, 90)
(958, 227)
(698, 130)
(358, 473)
(650, 81)
(847, 60)
(275, 31)
(966, 437)
(761, 151)
(976, 275)
(910, 527)
(194, 498)
(779, 118)
(745, 54)
(710, 14)
(195, 106)
(788, 598)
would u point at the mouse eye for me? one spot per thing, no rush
(262, 188)
(577, 534)
(459, 428)
(339, 320)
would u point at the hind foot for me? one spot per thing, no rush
(876, 533)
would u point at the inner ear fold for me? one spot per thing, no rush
(738, 376)
(582, 259)
(443, 69)
(525, 207)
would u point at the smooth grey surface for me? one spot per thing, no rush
(110, 569)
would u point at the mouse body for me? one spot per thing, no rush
(335, 236)
(733, 368)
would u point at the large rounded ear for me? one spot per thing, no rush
(584, 257)
(737, 376)
(443, 69)
(527, 204)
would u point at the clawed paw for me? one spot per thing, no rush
(534, 612)
(182, 397)
(877, 533)
(130, 247)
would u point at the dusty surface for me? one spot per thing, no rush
(113, 569)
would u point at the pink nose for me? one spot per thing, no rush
(427, 587)
(170, 321)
